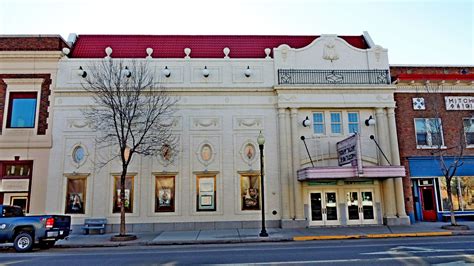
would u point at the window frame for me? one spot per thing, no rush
(115, 195)
(243, 194)
(84, 195)
(427, 132)
(323, 123)
(172, 207)
(199, 207)
(468, 145)
(349, 123)
(13, 95)
(340, 123)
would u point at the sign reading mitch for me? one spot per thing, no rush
(459, 102)
(347, 150)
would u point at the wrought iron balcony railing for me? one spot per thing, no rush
(315, 76)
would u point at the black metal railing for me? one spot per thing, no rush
(316, 76)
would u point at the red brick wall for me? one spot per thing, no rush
(44, 98)
(452, 123)
(32, 43)
(395, 71)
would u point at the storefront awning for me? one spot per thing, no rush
(374, 172)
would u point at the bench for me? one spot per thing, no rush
(94, 224)
(447, 216)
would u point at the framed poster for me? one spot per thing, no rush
(250, 192)
(75, 195)
(206, 193)
(128, 202)
(21, 201)
(164, 193)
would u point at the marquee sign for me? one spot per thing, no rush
(347, 150)
(459, 102)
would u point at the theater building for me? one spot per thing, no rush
(427, 96)
(325, 88)
(28, 67)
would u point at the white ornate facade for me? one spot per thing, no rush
(214, 181)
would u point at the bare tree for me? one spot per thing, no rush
(131, 114)
(434, 138)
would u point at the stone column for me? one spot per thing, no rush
(388, 185)
(283, 147)
(299, 212)
(399, 194)
(289, 164)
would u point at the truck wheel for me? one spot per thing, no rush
(46, 244)
(23, 242)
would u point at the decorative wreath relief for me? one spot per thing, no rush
(79, 155)
(166, 155)
(206, 154)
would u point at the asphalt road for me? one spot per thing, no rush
(457, 250)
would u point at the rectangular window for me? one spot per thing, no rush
(75, 195)
(128, 195)
(206, 193)
(318, 123)
(462, 190)
(250, 192)
(469, 130)
(22, 110)
(336, 123)
(429, 132)
(164, 194)
(353, 120)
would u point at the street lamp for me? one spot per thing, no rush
(261, 141)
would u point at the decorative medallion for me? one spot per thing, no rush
(329, 51)
(206, 152)
(166, 152)
(79, 155)
(249, 151)
(419, 104)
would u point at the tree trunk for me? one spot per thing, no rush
(450, 200)
(122, 201)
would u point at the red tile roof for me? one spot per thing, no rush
(202, 46)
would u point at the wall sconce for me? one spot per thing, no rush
(248, 72)
(127, 72)
(81, 72)
(166, 72)
(370, 121)
(306, 122)
(205, 72)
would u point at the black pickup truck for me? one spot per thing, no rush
(26, 231)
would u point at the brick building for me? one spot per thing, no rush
(28, 66)
(435, 114)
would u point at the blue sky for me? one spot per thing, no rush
(415, 32)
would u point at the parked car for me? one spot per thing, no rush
(27, 231)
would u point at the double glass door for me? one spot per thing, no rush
(323, 208)
(360, 207)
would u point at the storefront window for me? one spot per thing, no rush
(206, 193)
(462, 189)
(250, 192)
(128, 195)
(75, 195)
(164, 194)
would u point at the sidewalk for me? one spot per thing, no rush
(275, 234)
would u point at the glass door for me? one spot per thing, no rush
(360, 206)
(330, 210)
(316, 205)
(368, 207)
(323, 208)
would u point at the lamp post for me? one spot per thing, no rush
(261, 141)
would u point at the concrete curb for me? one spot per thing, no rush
(336, 237)
(261, 240)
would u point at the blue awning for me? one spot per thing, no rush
(430, 166)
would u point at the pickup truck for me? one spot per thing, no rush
(27, 231)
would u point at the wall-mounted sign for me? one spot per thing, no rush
(347, 150)
(15, 185)
(459, 102)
